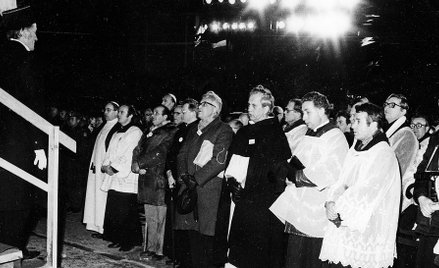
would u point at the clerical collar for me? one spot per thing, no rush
(321, 125)
(320, 130)
(395, 126)
(25, 46)
(289, 127)
(123, 129)
(376, 138)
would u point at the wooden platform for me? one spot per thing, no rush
(11, 257)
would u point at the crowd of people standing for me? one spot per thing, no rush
(293, 187)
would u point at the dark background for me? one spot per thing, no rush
(90, 51)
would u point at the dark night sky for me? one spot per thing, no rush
(93, 50)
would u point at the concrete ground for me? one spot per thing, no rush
(83, 251)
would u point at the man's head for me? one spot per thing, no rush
(260, 103)
(20, 24)
(98, 121)
(160, 115)
(368, 120)
(395, 107)
(278, 113)
(73, 119)
(315, 107)
(189, 110)
(147, 115)
(293, 111)
(111, 110)
(210, 106)
(125, 114)
(177, 115)
(53, 112)
(420, 126)
(169, 101)
(343, 122)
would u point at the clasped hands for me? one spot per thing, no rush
(331, 214)
(108, 170)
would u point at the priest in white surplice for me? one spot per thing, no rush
(363, 205)
(96, 199)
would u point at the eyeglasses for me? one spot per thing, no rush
(417, 125)
(205, 103)
(391, 105)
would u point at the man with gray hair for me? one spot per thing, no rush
(256, 176)
(200, 163)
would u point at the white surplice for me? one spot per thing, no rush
(367, 197)
(95, 198)
(304, 207)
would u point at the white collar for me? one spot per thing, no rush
(25, 46)
(395, 126)
(321, 125)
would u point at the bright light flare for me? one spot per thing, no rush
(234, 26)
(215, 27)
(295, 24)
(243, 1)
(241, 26)
(280, 25)
(232, 2)
(208, 2)
(324, 25)
(258, 4)
(290, 4)
(251, 26)
(226, 26)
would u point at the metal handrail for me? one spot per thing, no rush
(51, 187)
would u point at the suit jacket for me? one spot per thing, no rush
(150, 154)
(214, 141)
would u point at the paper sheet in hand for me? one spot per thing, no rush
(237, 168)
(205, 154)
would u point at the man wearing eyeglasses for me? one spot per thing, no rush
(401, 138)
(200, 163)
(405, 145)
(295, 127)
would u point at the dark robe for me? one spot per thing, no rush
(256, 235)
(18, 140)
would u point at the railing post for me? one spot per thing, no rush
(52, 199)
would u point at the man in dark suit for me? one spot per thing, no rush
(21, 143)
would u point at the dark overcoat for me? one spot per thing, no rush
(18, 138)
(256, 235)
(150, 154)
(219, 135)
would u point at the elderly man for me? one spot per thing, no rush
(364, 206)
(256, 176)
(21, 143)
(149, 160)
(201, 160)
(316, 164)
(95, 198)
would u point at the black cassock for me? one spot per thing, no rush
(256, 235)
